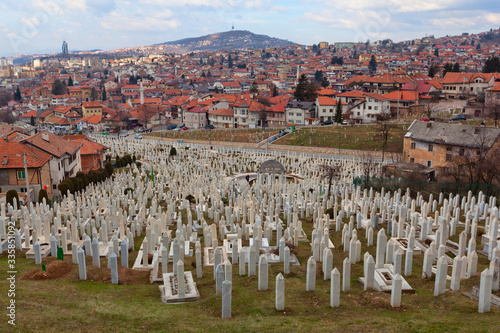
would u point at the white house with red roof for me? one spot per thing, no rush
(325, 108)
(195, 117)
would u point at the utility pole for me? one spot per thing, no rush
(26, 175)
(398, 104)
(340, 136)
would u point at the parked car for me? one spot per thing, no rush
(460, 117)
(209, 126)
(184, 128)
(424, 119)
(327, 122)
(112, 131)
(138, 136)
(345, 122)
(176, 129)
(173, 126)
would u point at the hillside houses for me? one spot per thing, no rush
(186, 88)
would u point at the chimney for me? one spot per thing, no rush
(45, 136)
(5, 159)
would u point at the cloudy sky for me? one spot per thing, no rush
(31, 26)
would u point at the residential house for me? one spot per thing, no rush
(221, 118)
(325, 108)
(437, 144)
(276, 114)
(91, 109)
(365, 107)
(65, 161)
(16, 158)
(91, 153)
(231, 87)
(403, 102)
(195, 117)
(240, 107)
(92, 123)
(456, 85)
(297, 112)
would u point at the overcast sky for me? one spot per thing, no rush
(32, 26)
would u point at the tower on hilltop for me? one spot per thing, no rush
(65, 48)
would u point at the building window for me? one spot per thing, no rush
(23, 189)
(448, 157)
(430, 147)
(21, 175)
(413, 145)
(449, 148)
(412, 160)
(54, 187)
(462, 151)
(375, 107)
(429, 163)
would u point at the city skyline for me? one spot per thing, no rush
(40, 26)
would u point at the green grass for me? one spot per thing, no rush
(85, 306)
(355, 137)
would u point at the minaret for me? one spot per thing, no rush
(298, 73)
(142, 94)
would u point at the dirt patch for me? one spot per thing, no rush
(293, 249)
(374, 300)
(126, 276)
(66, 270)
(55, 270)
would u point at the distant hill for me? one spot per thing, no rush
(234, 39)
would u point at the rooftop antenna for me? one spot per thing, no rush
(233, 27)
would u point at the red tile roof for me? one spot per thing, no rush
(91, 104)
(55, 146)
(222, 112)
(35, 158)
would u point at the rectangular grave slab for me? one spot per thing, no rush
(423, 246)
(138, 262)
(168, 290)
(275, 258)
(229, 246)
(383, 280)
(330, 244)
(187, 251)
(265, 242)
(208, 256)
(403, 245)
(44, 249)
(495, 300)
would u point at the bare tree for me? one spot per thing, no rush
(368, 166)
(7, 117)
(330, 172)
(495, 112)
(385, 127)
(262, 117)
(479, 164)
(432, 103)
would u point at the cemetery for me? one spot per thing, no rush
(219, 238)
